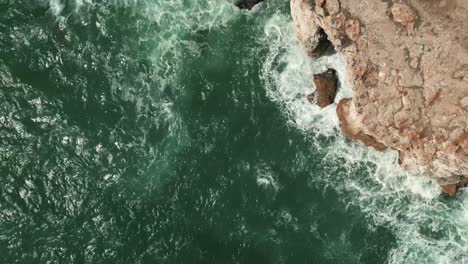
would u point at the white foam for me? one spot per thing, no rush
(266, 177)
(290, 83)
(56, 7)
(80, 3)
(427, 229)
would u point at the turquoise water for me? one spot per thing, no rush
(178, 132)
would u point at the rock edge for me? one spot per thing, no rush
(408, 64)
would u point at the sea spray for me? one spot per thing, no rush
(146, 131)
(429, 229)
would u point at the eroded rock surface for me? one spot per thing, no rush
(351, 125)
(452, 189)
(408, 64)
(311, 36)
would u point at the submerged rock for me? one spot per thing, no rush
(247, 4)
(326, 84)
(409, 79)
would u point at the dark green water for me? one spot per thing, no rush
(177, 132)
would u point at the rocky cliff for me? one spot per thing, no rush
(408, 64)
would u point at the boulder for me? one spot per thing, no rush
(452, 189)
(326, 84)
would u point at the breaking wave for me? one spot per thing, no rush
(124, 64)
(428, 228)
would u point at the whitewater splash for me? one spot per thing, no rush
(428, 228)
(57, 6)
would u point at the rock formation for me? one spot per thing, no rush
(351, 125)
(326, 85)
(452, 189)
(408, 64)
(311, 36)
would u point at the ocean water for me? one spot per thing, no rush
(177, 131)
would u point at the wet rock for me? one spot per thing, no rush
(326, 84)
(247, 4)
(370, 141)
(409, 90)
(351, 126)
(452, 189)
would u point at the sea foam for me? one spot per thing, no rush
(428, 228)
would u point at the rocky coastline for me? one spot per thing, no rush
(407, 62)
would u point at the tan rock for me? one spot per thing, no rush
(404, 15)
(452, 189)
(410, 90)
(461, 73)
(332, 6)
(464, 103)
(305, 25)
(352, 29)
(351, 126)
